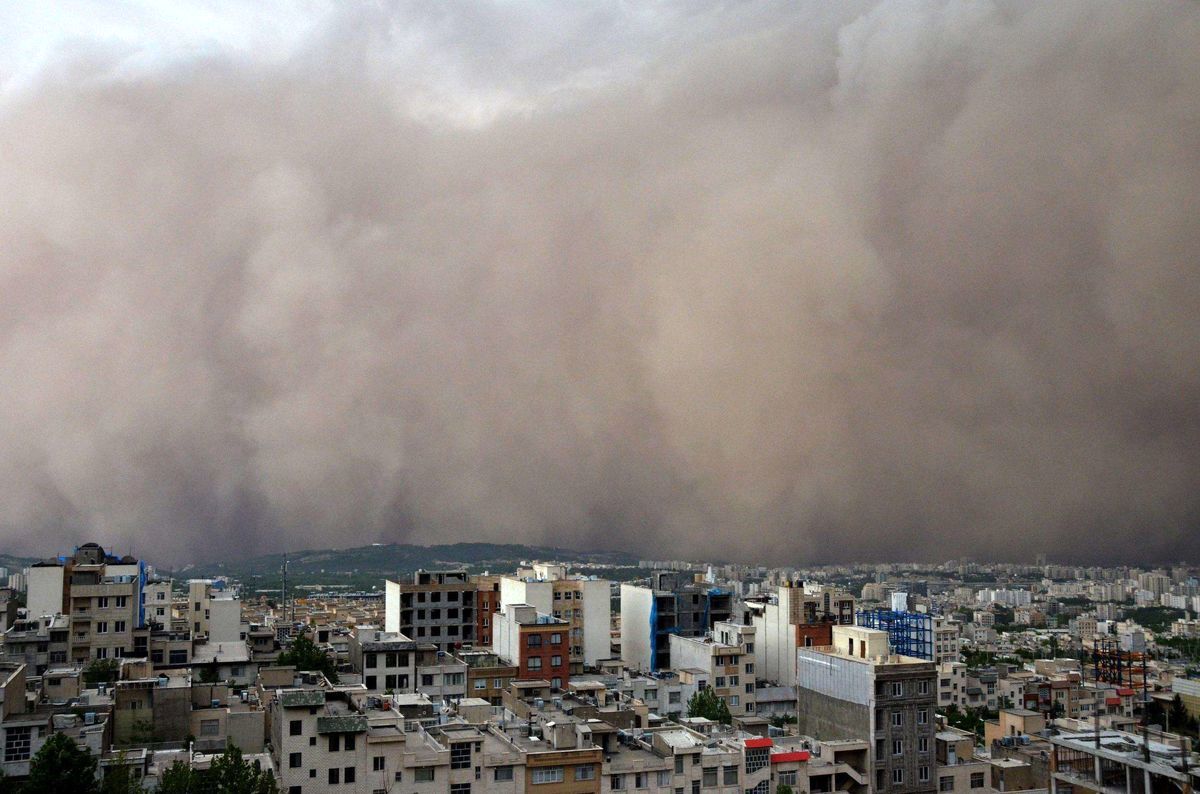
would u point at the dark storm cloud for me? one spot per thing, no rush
(791, 282)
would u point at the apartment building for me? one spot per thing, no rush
(952, 685)
(40, 643)
(727, 659)
(214, 612)
(102, 596)
(534, 642)
(674, 604)
(583, 602)
(436, 607)
(487, 675)
(393, 663)
(797, 617)
(487, 604)
(856, 687)
(1108, 761)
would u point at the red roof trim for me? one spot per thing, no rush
(760, 742)
(795, 755)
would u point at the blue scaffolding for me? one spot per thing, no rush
(909, 633)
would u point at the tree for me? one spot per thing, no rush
(101, 671)
(705, 703)
(178, 778)
(61, 766)
(305, 655)
(120, 779)
(783, 788)
(229, 773)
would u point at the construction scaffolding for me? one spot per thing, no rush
(909, 633)
(1117, 665)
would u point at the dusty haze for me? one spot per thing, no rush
(796, 282)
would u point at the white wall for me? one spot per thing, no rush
(391, 607)
(635, 626)
(597, 620)
(45, 591)
(225, 620)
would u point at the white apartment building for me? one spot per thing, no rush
(583, 602)
(727, 659)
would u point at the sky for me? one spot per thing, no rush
(791, 282)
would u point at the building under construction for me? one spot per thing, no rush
(909, 633)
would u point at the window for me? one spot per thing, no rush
(371, 681)
(922, 716)
(787, 778)
(664, 778)
(480, 683)
(923, 744)
(673, 697)
(945, 783)
(178, 656)
(122, 601)
(639, 779)
(897, 719)
(460, 755)
(695, 787)
(976, 780)
(898, 777)
(348, 742)
(749, 689)
(548, 774)
(897, 747)
(720, 682)
(585, 772)
(503, 773)
(734, 680)
(102, 627)
(16, 743)
(709, 779)
(729, 776)
(335, 776)
(371, 660)
(426, 679)
(923, 774)
(295, 728)
(424, 774)
(497, 683)
(616, 782)
(756, 759)
(556, 661)
(679, 764)
(749, 668)
(334, 742)
(534, 641)
(556, 639)
(210, 727)
(460, 788)
(534, 663)
(897, 689)
(922, 687)
(295, 760)
(102, 602)
(348, 775)
(734, 700)
(377, 763)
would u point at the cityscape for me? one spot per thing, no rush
(627, 675)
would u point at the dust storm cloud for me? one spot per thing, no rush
(793, 282)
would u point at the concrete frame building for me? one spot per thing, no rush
(436, 607)
(674, 604)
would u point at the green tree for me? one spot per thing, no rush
(783, 788)
(230, 773)
(705, 703)
(120, 779)
(101, 671)
(178, 778)
(61, 766)
(305, 655)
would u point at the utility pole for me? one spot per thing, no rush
(283, 589)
